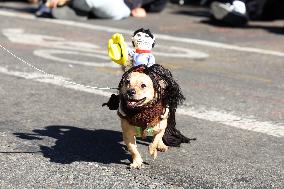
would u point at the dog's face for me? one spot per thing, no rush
(137, 90)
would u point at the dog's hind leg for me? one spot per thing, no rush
(129, 139)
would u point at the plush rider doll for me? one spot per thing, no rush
(143, 41)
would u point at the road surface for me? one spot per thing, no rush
(55, 134)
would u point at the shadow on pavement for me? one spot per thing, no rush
(272, 29)
(195, 13)
(77, 144)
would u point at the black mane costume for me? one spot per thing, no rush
(168, 95)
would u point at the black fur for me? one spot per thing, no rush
(172, 97)
(113, 102)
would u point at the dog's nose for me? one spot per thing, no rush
(131, 92)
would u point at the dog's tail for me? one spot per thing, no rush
(172, 136)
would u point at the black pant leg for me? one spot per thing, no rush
(154, 5)
(80, 6)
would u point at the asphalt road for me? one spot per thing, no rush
(54, 134)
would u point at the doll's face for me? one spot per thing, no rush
(142, 41)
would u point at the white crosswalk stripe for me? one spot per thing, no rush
(225, 118)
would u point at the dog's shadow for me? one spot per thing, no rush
(77, 144)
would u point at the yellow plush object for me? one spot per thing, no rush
(117, 50)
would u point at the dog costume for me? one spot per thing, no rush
(168, 95)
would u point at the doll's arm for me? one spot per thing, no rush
(151, 60)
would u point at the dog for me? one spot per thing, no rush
(148, 98)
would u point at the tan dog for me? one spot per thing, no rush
(137, 91)
(148, 98)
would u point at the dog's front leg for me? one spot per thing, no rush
(129, 139)
(159, 131)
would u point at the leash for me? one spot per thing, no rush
(54, 76)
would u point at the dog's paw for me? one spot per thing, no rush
(162, 147)
(137, 164)
(153, 151)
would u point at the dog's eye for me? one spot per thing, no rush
(143, 86)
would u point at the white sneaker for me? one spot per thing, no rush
(232, 14)
(239, 7)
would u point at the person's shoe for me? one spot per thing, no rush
(230, 14)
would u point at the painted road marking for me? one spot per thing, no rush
(43, 78)
(50, 54)
(241, 122)
(226, 118)
(158, 36)
(18, 35)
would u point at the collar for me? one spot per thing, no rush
(140, 51)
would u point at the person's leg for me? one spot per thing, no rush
(272, 10)
(229, 1)
(255, 8)
(268, 10)
(154, 5)
(74, 10)
(132, 4)
(109, 9)
(80, 6)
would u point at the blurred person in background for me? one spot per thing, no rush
(230, 12)
(239, 12)
(139, 8)
(33, 1)
(72, 9)
(107, 9)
